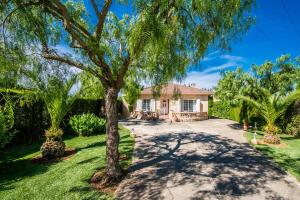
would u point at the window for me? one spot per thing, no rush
(146, 105)
(189, 106)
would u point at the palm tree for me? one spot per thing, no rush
(271, 107)
(58, 89)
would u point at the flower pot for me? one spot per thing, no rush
(245, 126)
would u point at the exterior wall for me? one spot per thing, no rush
(175, 105)
(203, 103)
(157, 103)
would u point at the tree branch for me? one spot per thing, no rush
(19, 6)
(123, 71)
(101, 18)
(62, 13)
(95, 7)
(54, 56)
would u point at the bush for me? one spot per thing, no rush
(293, 128)
(225, 111)
(54, 147)
(272, 129)
(271, 139)
(6, 124)
(87, 124)
(54, 133)
(271, 134)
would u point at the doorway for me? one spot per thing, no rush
(164, 109)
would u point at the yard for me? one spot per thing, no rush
(287, 155)
(68, 179)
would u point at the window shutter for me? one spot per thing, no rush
(179, 106)
(152, 105)
(198, 105)
(139, 104)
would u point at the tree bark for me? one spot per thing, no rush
(113, 170)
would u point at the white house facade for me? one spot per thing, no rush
(178, 102)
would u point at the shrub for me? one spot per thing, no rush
(224, 110)
(54, 133)
(54, 146)
(87, 124)
(271, 139)
(53, 149)
(271, 134)
(6, 124)
(293, 128)
(271, 129)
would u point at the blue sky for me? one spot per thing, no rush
(276, 32)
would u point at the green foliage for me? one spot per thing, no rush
(271, 129)
(210, 106)
(272, 106)
(87, 124)
(234, 83)
(269, 84)
(293, 128)
(54, 133)
(91, 87)
(280, 76)
(6, 123)
(131, 92)
(226, 111)
(55, 85)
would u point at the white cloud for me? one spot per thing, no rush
(202, 80)
(210, 56)
(219, 68)
(209, 77)
(233, 58)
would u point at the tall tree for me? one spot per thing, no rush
(279, 76)
(158, 39)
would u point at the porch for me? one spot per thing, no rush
(175, 116)
(189, 116)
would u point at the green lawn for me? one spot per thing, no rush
(68, 179)
(286, 155)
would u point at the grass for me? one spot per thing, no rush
(287, 155)
(68, 179)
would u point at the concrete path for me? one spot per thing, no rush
(201, 160)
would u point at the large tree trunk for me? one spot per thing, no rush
(113, 170)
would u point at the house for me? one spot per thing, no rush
(177, 102)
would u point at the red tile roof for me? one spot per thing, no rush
(169, 89)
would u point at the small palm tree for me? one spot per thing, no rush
(271, 107)
(59, 98)
(58, 89)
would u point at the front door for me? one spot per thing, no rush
(164, 110)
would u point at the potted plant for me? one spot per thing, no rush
(245, 124)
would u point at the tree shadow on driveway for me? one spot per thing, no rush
(189, 165)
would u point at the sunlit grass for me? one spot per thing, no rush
(286, 155)
(68, 179)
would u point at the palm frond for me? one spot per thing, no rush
(251, 101)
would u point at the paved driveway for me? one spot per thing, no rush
(201, 160)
